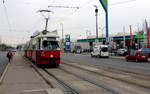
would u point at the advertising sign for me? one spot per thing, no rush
(67, 43)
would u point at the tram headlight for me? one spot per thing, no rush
(51, 56)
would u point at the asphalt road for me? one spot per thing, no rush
(3, 62)
(140, 67)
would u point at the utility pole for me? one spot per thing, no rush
(46, 24)
(102, 29)
(131, 38)
(124, 37)
(104, 4)
(87, 33)
(147, 32)
(96, 14)
(62, 32)
(138, 36)
(62, 43)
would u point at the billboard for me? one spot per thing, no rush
(67, 43)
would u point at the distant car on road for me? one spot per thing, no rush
(147, 50)
(137, 56)
(113, 51)
(77, 49)
(14, 50)
(122, 52)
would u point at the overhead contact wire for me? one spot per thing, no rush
(123, 2)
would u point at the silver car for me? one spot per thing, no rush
(122, 51)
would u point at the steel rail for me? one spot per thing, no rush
(117, 69)
(69, 88)
(92, 82)
(100, 74)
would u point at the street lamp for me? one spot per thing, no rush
(62, 43)
(124, 37)
(96, 14)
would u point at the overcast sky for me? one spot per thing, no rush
(23, 18)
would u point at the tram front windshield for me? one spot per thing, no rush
(50, 45)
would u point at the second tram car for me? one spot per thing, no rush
(44, 49)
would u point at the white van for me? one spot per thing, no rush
(100, 51)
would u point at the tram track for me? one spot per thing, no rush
(66, 86)
(52, 77)
(140, 77)
(92, 82)
(74, 91)
(147, 86)
(69, 88)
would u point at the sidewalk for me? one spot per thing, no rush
(21, 78)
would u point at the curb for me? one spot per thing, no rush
(3, 74)
(45, 76)
(114, 57)
(117, 57)
(41, 73)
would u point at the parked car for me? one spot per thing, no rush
(147, 50)
(122, 52)
(137, 56)
(113, 51)
(77, 49)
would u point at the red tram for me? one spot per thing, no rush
(43, 49)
